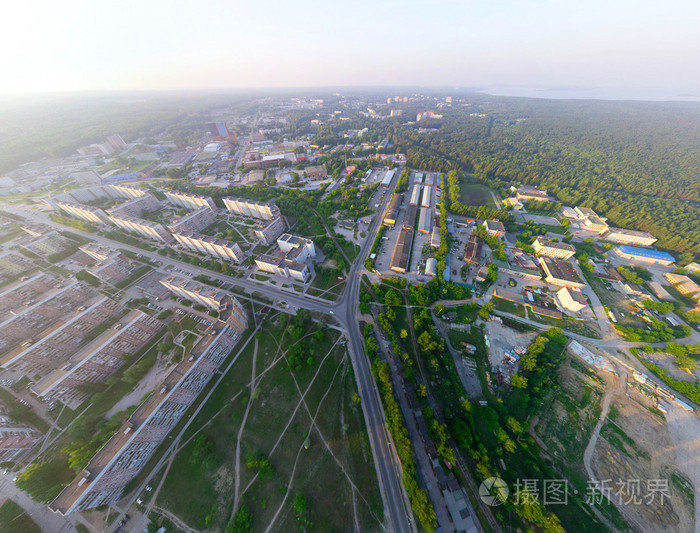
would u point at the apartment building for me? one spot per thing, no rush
(97, 252)
(230, 309)
(127, 452)
(135, 207)
(269, 230)
(296, 248)
(84, 212)
(194, 221)
(146, 228)
(189, 200)
(128, 191)
(198, 242)
(283, 267)
(560, 250)
(251, 208)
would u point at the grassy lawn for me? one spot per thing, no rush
(466, 313)
(508, 307)
(275, 429)
(14, 519)
(471, 193)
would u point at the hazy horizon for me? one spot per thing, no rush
(601, 50)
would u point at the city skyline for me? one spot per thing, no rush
(624, 50)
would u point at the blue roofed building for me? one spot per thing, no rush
(644, 255)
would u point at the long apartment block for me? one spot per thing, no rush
(251, 208)
(190, 201)
(194, 221)
(84, 212)
(198, 242)
(150, 230)
(127, 452)
(230, 309)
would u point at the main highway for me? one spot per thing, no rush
(398, 514)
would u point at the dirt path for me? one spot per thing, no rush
(174, 519)
(237, 464)
(605, 408)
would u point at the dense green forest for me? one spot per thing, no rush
(638, 163)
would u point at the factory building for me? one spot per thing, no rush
(425, 220)
(415, 195)
(427, 196)
(392, 212)
(644, 255)
(402, 251)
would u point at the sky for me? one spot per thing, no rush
(615, 47)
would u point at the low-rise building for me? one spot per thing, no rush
(494, 228)
(560, 272)
(692, 267)
(561, 250)
(571, 299)
(425, 220)
(316, 172)
(595, 224)
(514, 203)
(193, 221)
(435, 237)
(683, 284)
(473, 252)
(568, 212)
(628, 236)
(220, 248)
(526, 193)
(644, 255)
(661, 293)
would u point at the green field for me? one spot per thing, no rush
(475, 194)
(14, 519)
(282, 424)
